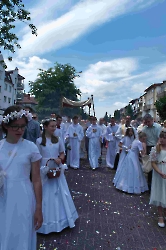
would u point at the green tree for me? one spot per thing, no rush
(117, 115)
(51, 85)
(161, 107)
(106, 117)
(12, 11)
(129, 111)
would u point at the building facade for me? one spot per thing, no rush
(28, 100)
(11, 87)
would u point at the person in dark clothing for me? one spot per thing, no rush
(32, 131)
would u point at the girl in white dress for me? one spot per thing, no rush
(131, 178)
(20, 199)
(158, 190)
(94, 133)
(124, 146)
(59, 210)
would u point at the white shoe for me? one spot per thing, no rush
(161, 224)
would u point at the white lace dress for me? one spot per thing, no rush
(126, 142)
(158, 188)
(130, 177)
(17, 206)
(94, 145)
(58, 207)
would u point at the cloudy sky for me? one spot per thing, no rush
(118, 44)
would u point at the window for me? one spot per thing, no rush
(5, 86)
(15, 91)
(4, 98)
(9, 100)
(10, 88)
(0, 89)
(1, 73)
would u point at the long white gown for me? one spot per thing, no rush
(158, 189)
(59, 210)
(112, 145)
(131, 178)
(94, 145)
(17, 206)
(73, 155)
(127, 142)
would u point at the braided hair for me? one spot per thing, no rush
(54, 139)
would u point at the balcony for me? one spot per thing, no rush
(161, 94)
(140, 101)
(148, 107)
(20, 85)
(20, 95)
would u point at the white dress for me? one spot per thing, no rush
(158, 188)
(94, 145)
(127, 142)
(131, 178)
(17, 206)
(73, 154)
(112, 145)
(58, 207)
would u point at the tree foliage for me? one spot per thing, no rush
(129, 111)
(51, 85)
(161, 107)
(106, 117)
(117, 115)
(10, 12)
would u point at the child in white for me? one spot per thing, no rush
(124, 146)
(94, 133)
(158, 189)
(74, 137)
(59, 211)
(20, 199)
(131, 178)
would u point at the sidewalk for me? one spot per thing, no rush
(108, 218)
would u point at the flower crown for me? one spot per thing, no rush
(48, 120)
(163, 130)
(15, 115)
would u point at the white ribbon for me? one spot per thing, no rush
(2, 177)
(3, 171)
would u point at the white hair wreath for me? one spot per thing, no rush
(15, 115)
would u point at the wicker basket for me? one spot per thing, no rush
(54, 169)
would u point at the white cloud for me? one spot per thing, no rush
(119, 104)
(28, 68)
(48, 11)
(104, 78)
(80, 19)
(138, 88)
(114, 90)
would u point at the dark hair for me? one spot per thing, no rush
(8, 111)
(128, 130)
(30, 109)
(148, 116)
(94, 118)
(75, 117)
(54, 139)
(162, 134)
(58, 116)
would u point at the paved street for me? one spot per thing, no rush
(108, 218)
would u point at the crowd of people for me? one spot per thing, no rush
(34, 194)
